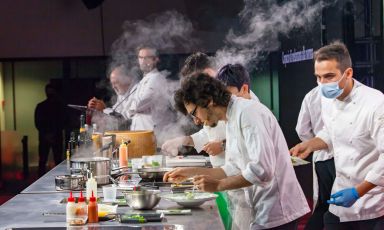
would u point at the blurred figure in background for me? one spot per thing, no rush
(123, 82)
(50, 122)
(149, 106)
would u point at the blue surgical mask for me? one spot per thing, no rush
(331, 90)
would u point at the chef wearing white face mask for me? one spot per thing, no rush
(354, 128)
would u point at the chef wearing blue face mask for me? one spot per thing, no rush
(331, 90)
(353, 116)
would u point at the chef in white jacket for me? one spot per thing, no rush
(149, 105)
(257, 153)
(123, 82)
(354, 128)
(309, 123)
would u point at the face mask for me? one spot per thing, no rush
(331, 90)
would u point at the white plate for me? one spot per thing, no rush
(182, 199)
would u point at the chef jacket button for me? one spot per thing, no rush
(350, 123)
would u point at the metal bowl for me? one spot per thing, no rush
(146, 199)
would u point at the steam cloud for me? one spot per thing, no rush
(263, 22)
(167, 31)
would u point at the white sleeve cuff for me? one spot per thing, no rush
(323, 135)
(199, 139)
(230, 170)
(251, 178)
(374, 178)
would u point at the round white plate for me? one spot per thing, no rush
(182, 199)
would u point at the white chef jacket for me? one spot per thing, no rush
(207, 134)
(257, 150)
(309, 123)
(148, 101)
(355, 128)
(122, 103)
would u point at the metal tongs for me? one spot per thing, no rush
(78, 107)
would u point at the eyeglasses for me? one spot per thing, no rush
(193, 113)
(146, 57)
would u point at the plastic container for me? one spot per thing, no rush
(91, 186)
(109, 193)
(92, 210)
(72, 212)
(70, 209)
(81, 209)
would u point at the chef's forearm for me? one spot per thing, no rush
(233, 182)
(364, 187)
(216, 173)
(317, 144)
(188, 141)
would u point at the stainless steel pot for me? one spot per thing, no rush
(100, 167)
(70, 182)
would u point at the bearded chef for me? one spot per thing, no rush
(257, 153)
(353, 119)
(123, 82)
(149, 105)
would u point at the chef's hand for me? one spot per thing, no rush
(170, 147)
(346, 197)
(206, 183)
(178, 175)
(301, 150)
(213, 148)
(96, 104)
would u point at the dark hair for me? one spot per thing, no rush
(49, 86)
(234, 75)
(147, 47)
(128, 71)
(334, 51)
(195, 62)
(200, 89)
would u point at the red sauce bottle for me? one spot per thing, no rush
(92, 210)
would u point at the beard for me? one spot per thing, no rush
(146, 68)
(210, 115)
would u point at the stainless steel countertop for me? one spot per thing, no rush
(46, 183)
(26, 209)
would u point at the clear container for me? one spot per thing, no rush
(109, 193)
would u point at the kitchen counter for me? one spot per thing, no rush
(26, 210)
(46, 183)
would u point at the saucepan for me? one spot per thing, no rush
(151, 173)
(70, 182)
(100, 167)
